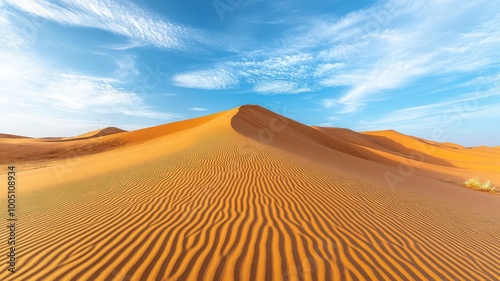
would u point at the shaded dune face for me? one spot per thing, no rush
(270, 128)
(438, 153)
(442, 161)
(238, 204)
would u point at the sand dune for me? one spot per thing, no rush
(247, 194)
(100, 133)
(7, 136)
(442, 161)
(35, 153)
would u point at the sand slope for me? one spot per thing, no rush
(8, 136)
(100, 133)
(35, 153)
(237, 196)
(442, 161)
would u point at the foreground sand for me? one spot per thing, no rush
(206, 202)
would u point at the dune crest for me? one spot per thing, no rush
(100, 132)
(441, 161)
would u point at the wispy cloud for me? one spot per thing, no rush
(207, 79)
(280, 87)
(40, 125)
(122, 18)
(126, 66)
(391, 44)
(367, 52)
(32, 85)
(268, 74)
(478, 104)
(198, 109)
(141, 26)
(26, 79)
(327, 68)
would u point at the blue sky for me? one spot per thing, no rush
(425, 68)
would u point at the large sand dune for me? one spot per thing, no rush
(247, 194)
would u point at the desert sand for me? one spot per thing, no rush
(247, 194)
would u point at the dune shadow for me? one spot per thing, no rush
(396, 148)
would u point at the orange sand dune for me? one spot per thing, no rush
(7, 136)
(443, 161)
(36, 153)
(100, 133)
(247, 194)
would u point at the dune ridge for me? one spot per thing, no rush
(36, 153)
(229, 206)
(99, 133)
(443, 162)
(8, 136)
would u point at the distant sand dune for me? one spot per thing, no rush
(100, 133)
(7, 136)
(202, 200)
(35, 153)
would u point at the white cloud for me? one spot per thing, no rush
(286, 67)
(389, 74)
(207, 79)
(390, 45)
(327, 68)
(36, 90)
(268, 74)
(198, 109)
(327, 103)
(285, 61)
(27, 80)
(370, 51)
(120, 17)
(478, 104)
(40, 125)
(126, 66)
(280, 87)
